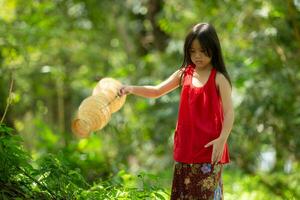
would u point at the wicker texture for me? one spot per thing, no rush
(95, 111)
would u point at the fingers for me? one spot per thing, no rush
(217, 151)
(213, 158)
(120, 92)
(208, 144)
(123, 91)
(216, 157)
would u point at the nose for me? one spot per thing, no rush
(199, 54)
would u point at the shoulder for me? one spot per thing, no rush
(222, 81)
(177, 73)
(182, 71)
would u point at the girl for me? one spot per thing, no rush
(205, 116)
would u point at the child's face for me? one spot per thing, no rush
(198, 55)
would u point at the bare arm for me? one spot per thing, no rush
(149, 91)
(225, 92)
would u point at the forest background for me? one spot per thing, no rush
(56, 51)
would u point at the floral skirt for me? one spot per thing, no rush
(200, 181)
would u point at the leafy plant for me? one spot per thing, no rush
(52, 178)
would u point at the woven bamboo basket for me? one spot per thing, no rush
(95, 111)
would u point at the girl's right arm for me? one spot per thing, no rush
(148, 91)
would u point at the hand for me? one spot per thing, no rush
(124, 90)
(218, 146)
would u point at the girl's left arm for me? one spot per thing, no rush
(225, 92)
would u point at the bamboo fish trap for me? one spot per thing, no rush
(95, 111)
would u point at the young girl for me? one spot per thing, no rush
(205, 116)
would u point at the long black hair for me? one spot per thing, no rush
(207, 36)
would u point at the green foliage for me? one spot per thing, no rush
(260, 186)
(56, 51)
(16, 179)
(54, 179)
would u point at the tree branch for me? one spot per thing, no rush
(9, 98)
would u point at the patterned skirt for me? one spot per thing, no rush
(200, 181)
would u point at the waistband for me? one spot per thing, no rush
(194, 164)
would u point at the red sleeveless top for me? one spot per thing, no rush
(200, 119)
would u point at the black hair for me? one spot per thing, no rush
(207, 36)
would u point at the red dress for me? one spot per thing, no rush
(200, 119)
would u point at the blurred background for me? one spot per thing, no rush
(57, 50)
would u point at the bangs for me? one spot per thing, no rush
(202, 39)
(205, 44)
